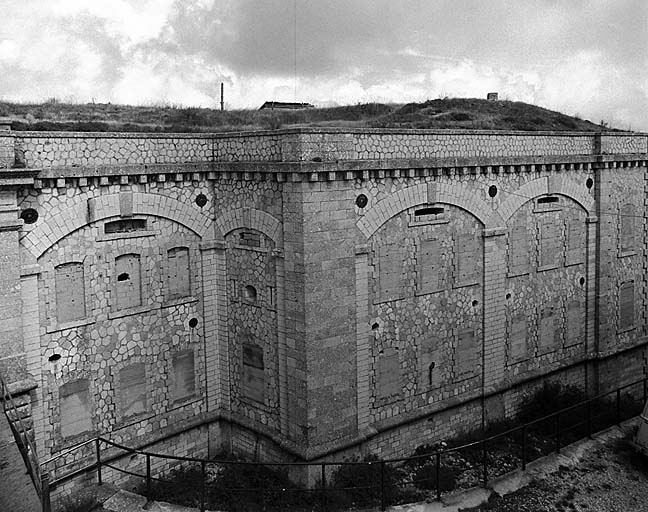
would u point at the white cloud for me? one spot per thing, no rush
(8, 50)
(179, 51)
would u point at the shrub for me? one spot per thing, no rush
(425, 477)
(359, 484)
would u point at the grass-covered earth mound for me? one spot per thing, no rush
(448, 113)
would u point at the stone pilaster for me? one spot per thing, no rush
(6, 144)
(281, 340)
(31, 340)
(12, 350)
(363, 332)
(494, 358)
(215, 322)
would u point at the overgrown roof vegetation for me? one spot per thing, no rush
(454, 113)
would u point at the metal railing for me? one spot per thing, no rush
(379, 487)
(21, 436)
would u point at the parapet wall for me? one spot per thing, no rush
(63, 149)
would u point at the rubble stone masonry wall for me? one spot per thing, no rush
(307, 294)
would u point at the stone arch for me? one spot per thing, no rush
(455, 194)
(546, 185)
(250, 218)
(66, 219)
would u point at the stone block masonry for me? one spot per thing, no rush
(307, 294)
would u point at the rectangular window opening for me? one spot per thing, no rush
(429, 210)
(124, 226)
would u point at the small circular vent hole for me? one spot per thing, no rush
(29, 216)
(193, 322)
(361, 201)
(201, 200)
(492, 191)
(54, 357)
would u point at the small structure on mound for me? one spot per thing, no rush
(280, 105)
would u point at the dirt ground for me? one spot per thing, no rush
(612, 477)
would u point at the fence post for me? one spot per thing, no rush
(438, 474)
(618, 407)
(202, 486)
(485, 476)
(148, 477)
(524, 447)
(45, 492)
(98, 449)
(382, 485)
(323, 497)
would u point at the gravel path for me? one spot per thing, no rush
(609, 478)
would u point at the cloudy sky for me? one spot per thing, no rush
(585, 57)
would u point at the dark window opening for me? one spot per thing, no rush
(54, 357)
(124, 226)
(123, 277)
(250, 293)
(548, 200)
(430, 210)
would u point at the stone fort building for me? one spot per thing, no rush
(308, 294)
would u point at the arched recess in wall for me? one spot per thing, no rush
(261, 363)
(64, 220)
(250, 218)
(455, 194)
(541, 186)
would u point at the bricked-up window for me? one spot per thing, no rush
(627, 228)
(391, 272)
(518, 250)
(518, 338)
(388, 373)
(253, 372)
(626, 306)
(128, 281)
(124, 226)
(575, 323)
(467, 260)
(250, 239)
(74, 398)
(576, 241)
(550, 252)
(70, 292)
(466, 352)
(183, 372)
(132, 389)
(178, 274)
(547, 329)
(429, 265)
